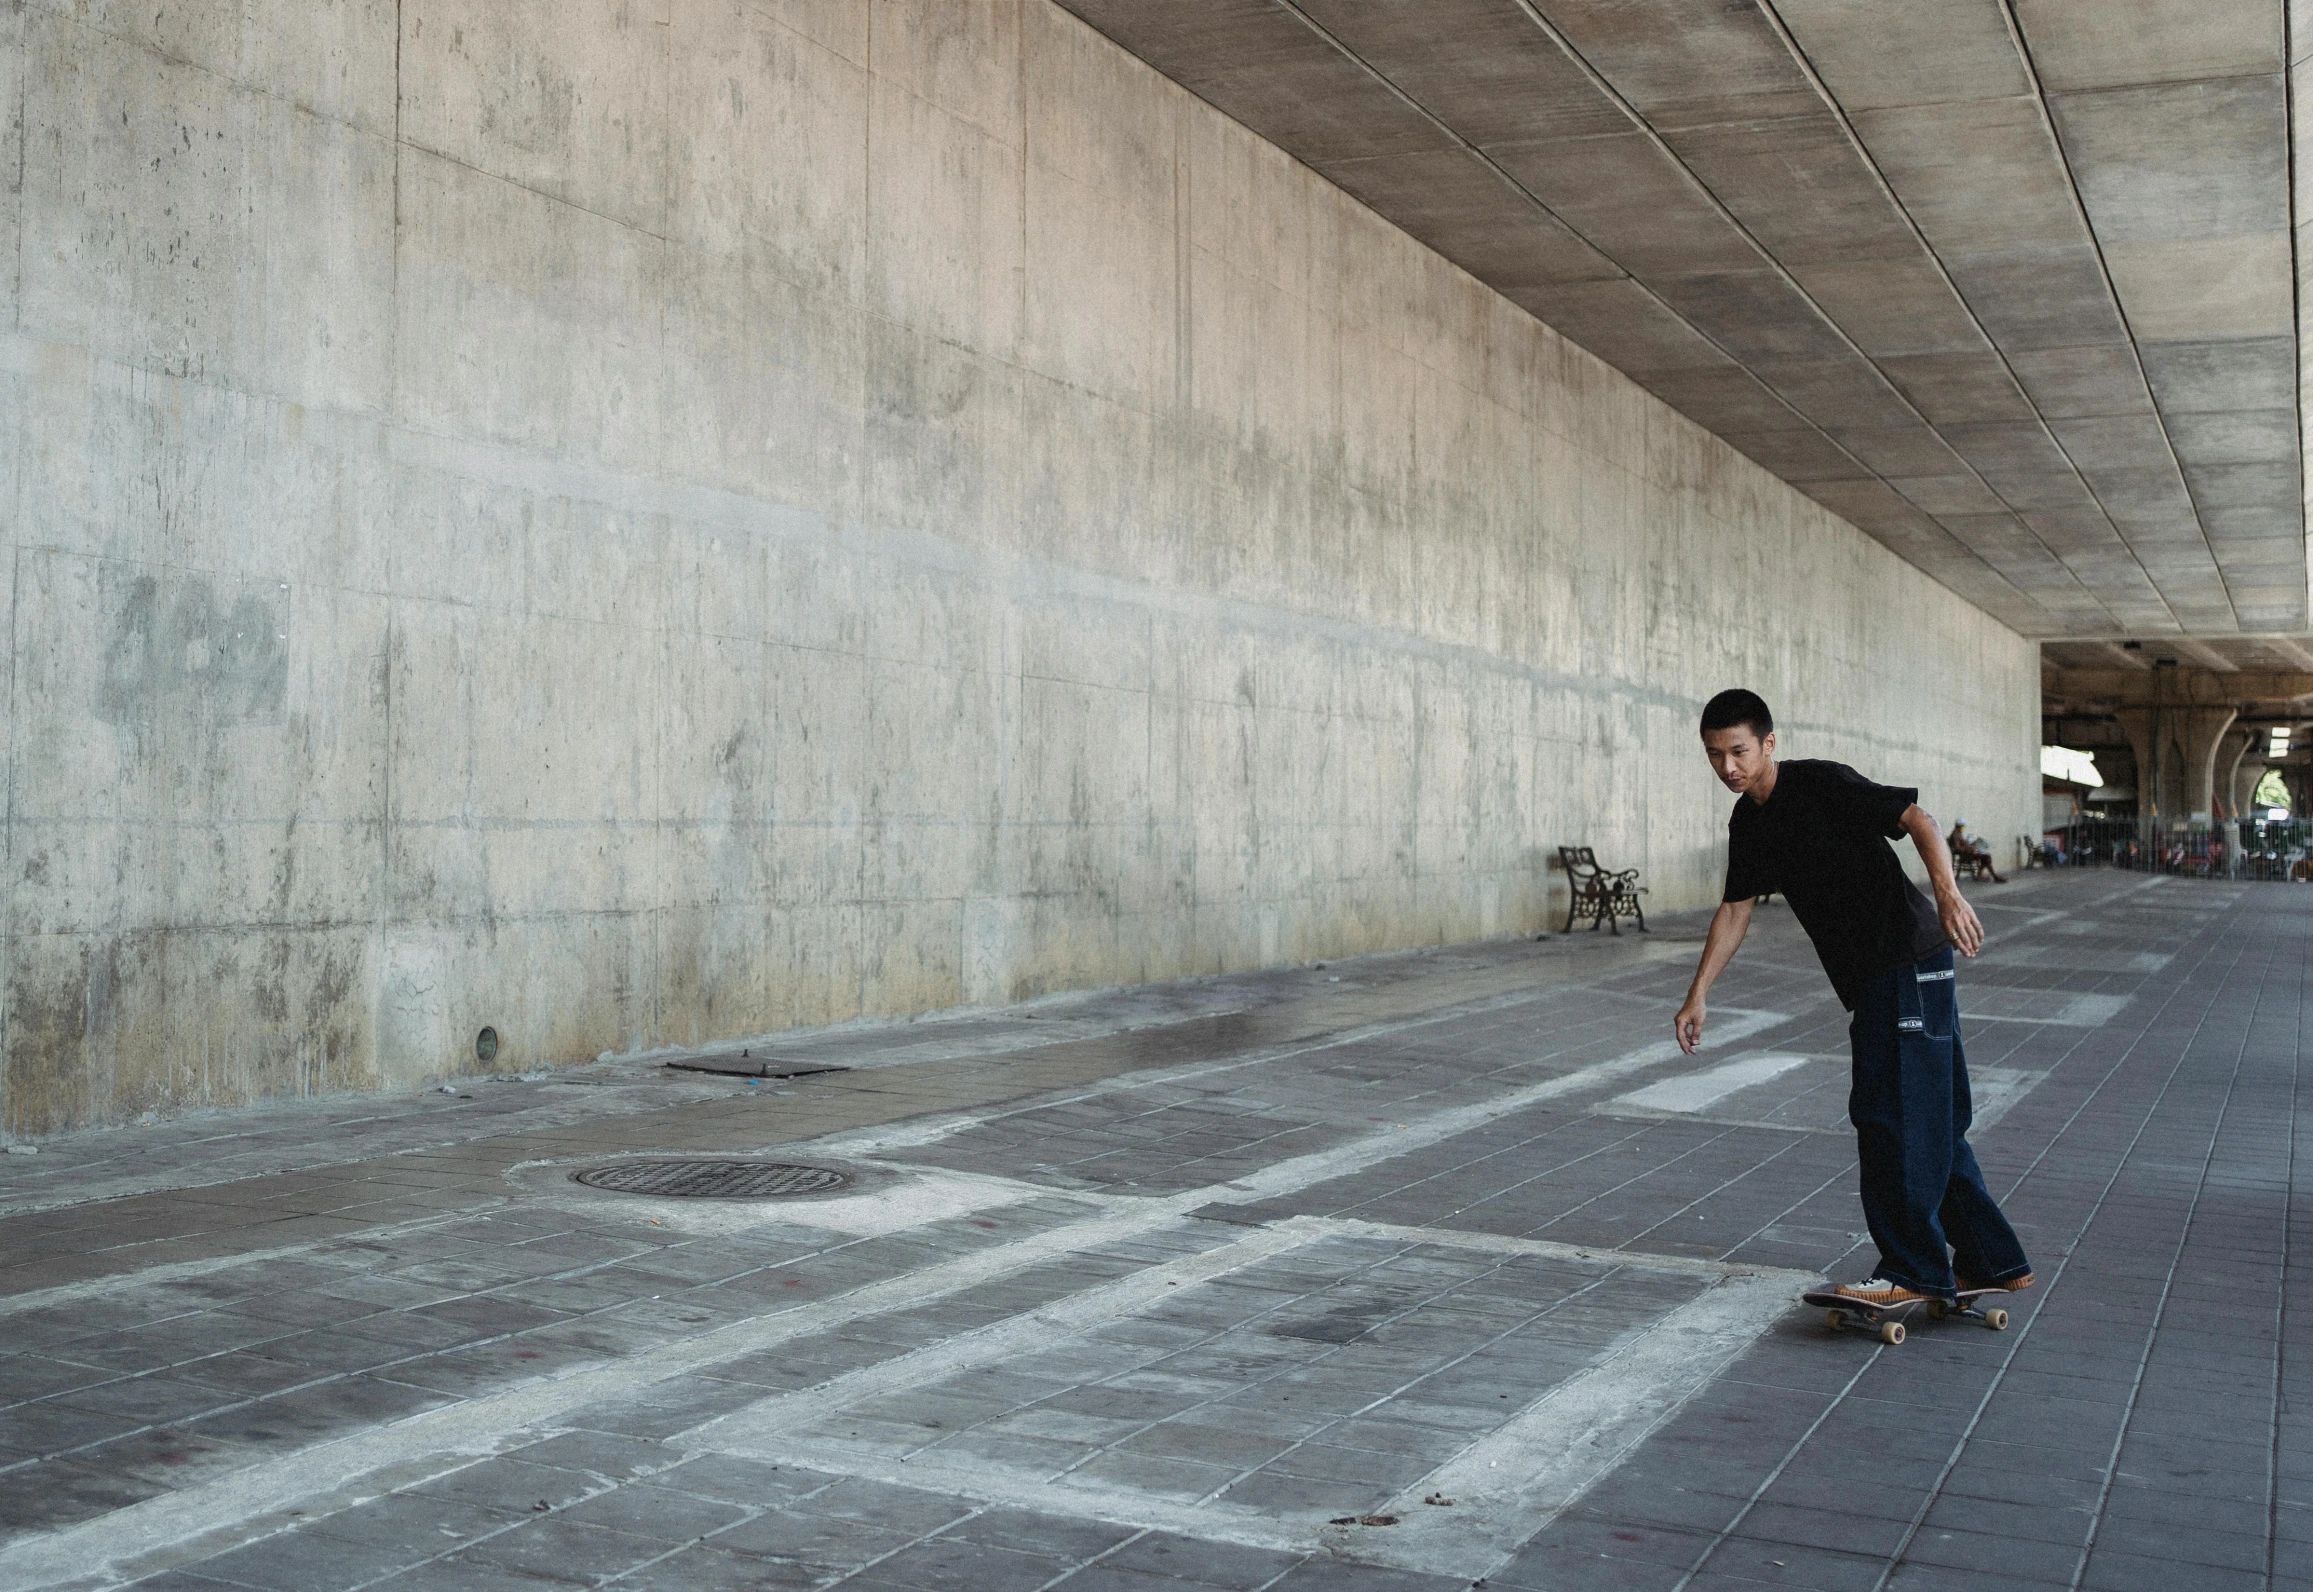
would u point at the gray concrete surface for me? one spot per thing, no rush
(1155, 1305)
(654, 523)
(2011, 286)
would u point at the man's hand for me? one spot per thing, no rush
(1687, 1026)
(1728, 926)
(1961, 925)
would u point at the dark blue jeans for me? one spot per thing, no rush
(1922, 1189)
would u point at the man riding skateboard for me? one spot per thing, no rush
(1816, 833)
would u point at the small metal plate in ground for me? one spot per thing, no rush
(746, 1066)
(713, 1180)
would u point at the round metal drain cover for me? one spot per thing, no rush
(713, 1180)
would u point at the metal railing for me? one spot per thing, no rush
(2245, 848)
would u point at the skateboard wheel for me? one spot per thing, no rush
(1891, 1332)
(1834, 1320)
(1997, 1320)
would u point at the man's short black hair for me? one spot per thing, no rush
(1730, 708)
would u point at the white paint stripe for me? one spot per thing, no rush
(323, 1142)
(987, 1481)
(768, 1420)
(1321, 1166)
(185, 1270)
(2027, 917)
(1628, 1114)
(138, 1539)
(1996, 1091)
(1505, 1487)
(2081, 1011)
(921, 1131)
(1512, 1484)
(1695, 1090)
(1498, 1244)
(130, 1537)
(2037, 917)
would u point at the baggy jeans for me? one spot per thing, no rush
(1922, 1189)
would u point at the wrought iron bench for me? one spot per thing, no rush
(1599, 895)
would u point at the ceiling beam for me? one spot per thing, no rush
(2202, 653)
(2110, 654)
(2104, 689)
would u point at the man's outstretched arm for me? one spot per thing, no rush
(1728, 926)
(1961, 925)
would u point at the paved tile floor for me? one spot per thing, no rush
(1412, 1272)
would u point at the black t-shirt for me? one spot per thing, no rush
(1821, 842)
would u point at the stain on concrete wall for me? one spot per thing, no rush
(193, 655)
(738, 516)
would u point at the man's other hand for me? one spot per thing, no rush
(1961, 925)
(1687, 1026)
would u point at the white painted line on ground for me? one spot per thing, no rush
(1995, 1091)
(924, 1131)
(140, 1539)
(1496, 1243)
(1322, 1166)
(765, 1424)
(133, 1541)
(768, 1421)
(991, 1482)
(2076, 959)
(335, 1142)
(1695, 1090)
(1510, 1485)
(2081, 1011)
(2092, 1011)
(185, 1270)
(1506, 1486)
(1626, 1114)
(2027, 917)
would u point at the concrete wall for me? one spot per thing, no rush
(646, 521)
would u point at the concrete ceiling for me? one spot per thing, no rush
(2010, 284)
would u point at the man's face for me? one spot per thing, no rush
(1737, 756)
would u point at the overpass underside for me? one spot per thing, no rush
(2012, 285)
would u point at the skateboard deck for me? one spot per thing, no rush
(1885, 1322)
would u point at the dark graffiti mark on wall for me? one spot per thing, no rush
(184, 647)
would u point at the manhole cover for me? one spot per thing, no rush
(713, 1180)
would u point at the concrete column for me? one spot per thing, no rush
(2117, 763)
(2201, 732)
(2232, 758)
(2137, 725)
(2176, 754)
(2247, 775)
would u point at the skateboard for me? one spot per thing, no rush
(1885, 1322)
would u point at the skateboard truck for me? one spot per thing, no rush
(1885, 1322)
